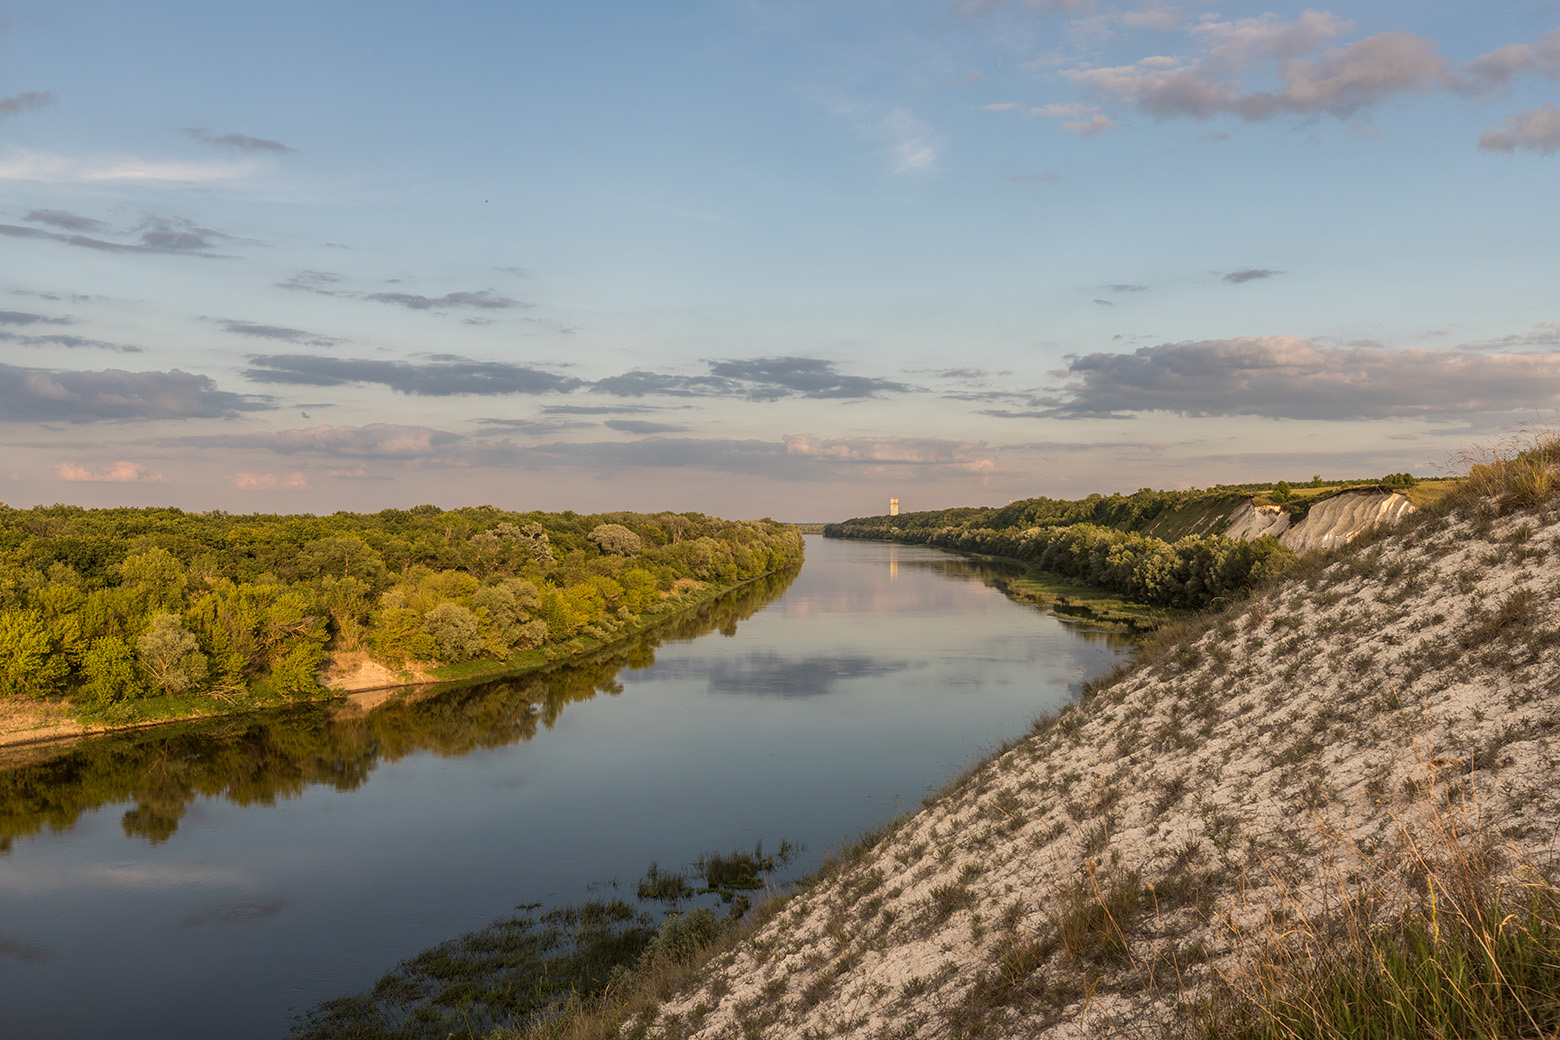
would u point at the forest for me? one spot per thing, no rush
(112, 608)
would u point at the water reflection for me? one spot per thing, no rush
(257, 760)
(769, 674)
(264, 873)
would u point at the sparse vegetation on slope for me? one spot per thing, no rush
(1327, 810)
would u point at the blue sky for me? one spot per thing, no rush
(765, 259)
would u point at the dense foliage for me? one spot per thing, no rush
(262, 757)
(1191, 572)
(109, 606)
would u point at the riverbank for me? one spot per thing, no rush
(1073, 600)
(1306, 777)
(30, 730)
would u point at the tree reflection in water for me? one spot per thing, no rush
(258, 759)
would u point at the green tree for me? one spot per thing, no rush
(455, 631)
(108, 673)
(616, 539)
(170, 655)
(28, 668)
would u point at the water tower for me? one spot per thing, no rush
(893, 507)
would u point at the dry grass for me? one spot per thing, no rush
(1453, 934)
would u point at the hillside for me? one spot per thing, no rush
(1369, 740)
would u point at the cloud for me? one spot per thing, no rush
(177, 235)
(912, 144)
(1288, 378)
(878, 452)
(1500, 67)
(1250, 274)
(280, 332)
(769, 379)
(442, 376)
(119, 473)
(485, 299)
(726, 456)
(1083, 120)
(1361, 75)
(597, 409)
(1238, 44)
(158, 235)
(60, 339)
(796, 458)
(65, 219)
(1342, 82)
(84, 241)
(642, 426)
(39, 395)
(772, 675)
(240, 141)
(24, 318)
(31, 101)
(315, 282)
(1125, 287)
(528, 427)
(757, 379)
(269, 481)
(1536, 130)
(57, 169)
(640, 383)
(374, 440)
(1543, 334)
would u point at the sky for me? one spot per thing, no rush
(754, 258)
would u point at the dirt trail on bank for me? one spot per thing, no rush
(1315, 738)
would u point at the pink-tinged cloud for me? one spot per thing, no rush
(1341, 83)
(1240, 43)
(121, 472)
(1536, 130)
(269, 481)
(1504, 64)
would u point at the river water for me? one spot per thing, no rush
(219, 880)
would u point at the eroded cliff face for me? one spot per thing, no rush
(1339, 520)
(1253, 521)
(1330, 523)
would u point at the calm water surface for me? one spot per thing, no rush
(218, 881)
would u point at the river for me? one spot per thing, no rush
(219, 880)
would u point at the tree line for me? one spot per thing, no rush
(1192, 572)
(112, 606)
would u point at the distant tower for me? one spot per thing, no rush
(893, 507)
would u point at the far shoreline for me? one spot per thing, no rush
(30, 730)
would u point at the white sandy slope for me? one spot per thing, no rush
(1241, 777)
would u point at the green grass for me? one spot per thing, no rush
(1071, 599)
